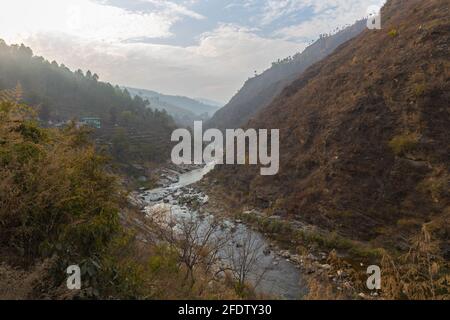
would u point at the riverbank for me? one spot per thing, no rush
(320, 261)
(333, 263)
(275, 274)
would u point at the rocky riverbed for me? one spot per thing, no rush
(286, 273)
(277, 273)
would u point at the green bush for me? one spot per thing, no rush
(56, 198)
(419, 89)
(404, 143)
(393, 33)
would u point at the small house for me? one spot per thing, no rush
(91, 122)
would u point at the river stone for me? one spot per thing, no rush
(142, 179)
(296, 258)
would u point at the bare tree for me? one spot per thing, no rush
(197, 241)
(244, 259)
(205, 245)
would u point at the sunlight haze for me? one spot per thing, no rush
(199, 48)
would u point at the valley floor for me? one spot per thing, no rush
(316, 267)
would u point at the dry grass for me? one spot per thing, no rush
(421, 274)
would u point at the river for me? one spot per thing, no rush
(272, 275)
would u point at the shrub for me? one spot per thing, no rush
(58, 203)
(56, 198)
(393, 33)
(419, 89)
(421, 274)
(404, 143)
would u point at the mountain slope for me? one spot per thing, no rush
(210, 102)
(129, 128)
(183, 110)
(364, 134)
(175, 103)
(257, 93)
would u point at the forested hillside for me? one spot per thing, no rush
(129, 129)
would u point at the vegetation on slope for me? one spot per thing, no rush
(60, 206)
(55, 196)
(130, 130)
(258, 92)
(364, 134)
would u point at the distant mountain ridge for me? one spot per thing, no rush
(184, 110)
(211, 102)
(258, 92)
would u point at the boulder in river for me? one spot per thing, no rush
(267, 251)
(285, 254)
(325, 266)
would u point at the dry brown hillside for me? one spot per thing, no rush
(365, 133)
(258, 92)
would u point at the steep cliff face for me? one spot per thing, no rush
(365, 133)
(257, 93)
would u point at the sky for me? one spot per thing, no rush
(196, 48)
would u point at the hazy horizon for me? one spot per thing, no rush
(138, 43)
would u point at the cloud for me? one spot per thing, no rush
(97, 34)
(214, 68)
(90, 20)
(171, 8)
(327, 16)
